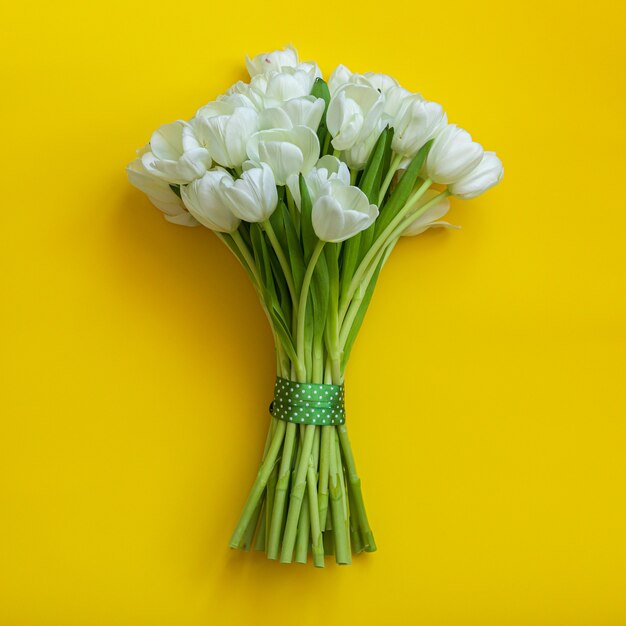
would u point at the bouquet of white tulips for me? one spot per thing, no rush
(311, 184)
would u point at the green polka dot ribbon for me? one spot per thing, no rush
(308, 403)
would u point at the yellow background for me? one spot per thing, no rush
(495, 477)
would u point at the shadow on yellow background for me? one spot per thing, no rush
(495, 472)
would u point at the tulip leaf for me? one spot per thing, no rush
(349, 260)
(370, 186)
(403, 189)
(353, 247)
(320, 296)
(176, 189)
(358, 320)
(282, 330)
(244, 231)
(261, 257)
(387, 158)
(373, 168)
(294, 248)
(320, 90)
(309, 238)
(276, 220)
(281, 284)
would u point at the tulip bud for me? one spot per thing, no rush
(176, 155)
(225, 130)
(485, 175)
(353, 114)
(453, 155)
(203, 198)
(342, 212)
(272, 61)
(286, 151)
(253, 197)
(417, 122)
(159, 193)
(430, 218)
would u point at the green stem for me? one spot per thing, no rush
(340, 530)
(306, 283)
(354, 485)
(259, 485)
(297, 495)
(248, 537)
(413, 216)
(280, 491)
(326, 144)
(317, 546)
(282, 259)
(302, 542)
(393, 168)
(324, 472)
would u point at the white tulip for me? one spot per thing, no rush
(341, 76)
(327, 169)
(204, 199)
(276, 88)
(394, 99)
(342, 212)
(357, 156)
(286, 151)
(431, 217)
(159, 193)
(225, 130)
(272, 61)
(452, 156)
(382, 82)
(253, 197)
(485, 175)
(176, 156)
(242, 94)
(304, 111)
(417, 121)
(353, 113)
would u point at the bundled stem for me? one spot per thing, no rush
(307, 496)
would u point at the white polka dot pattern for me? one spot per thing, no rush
(308, 403)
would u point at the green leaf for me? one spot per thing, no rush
(373, 168)
(282, 330)
(387, 159)
(320, 292)
(358, 320)
(309, 238)
(403, 189)
(370, 185)
(320, 90)
(294, 247)
(244, 231)
(276, 220)
(281, 284)
(349, 261)
(176, 189)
